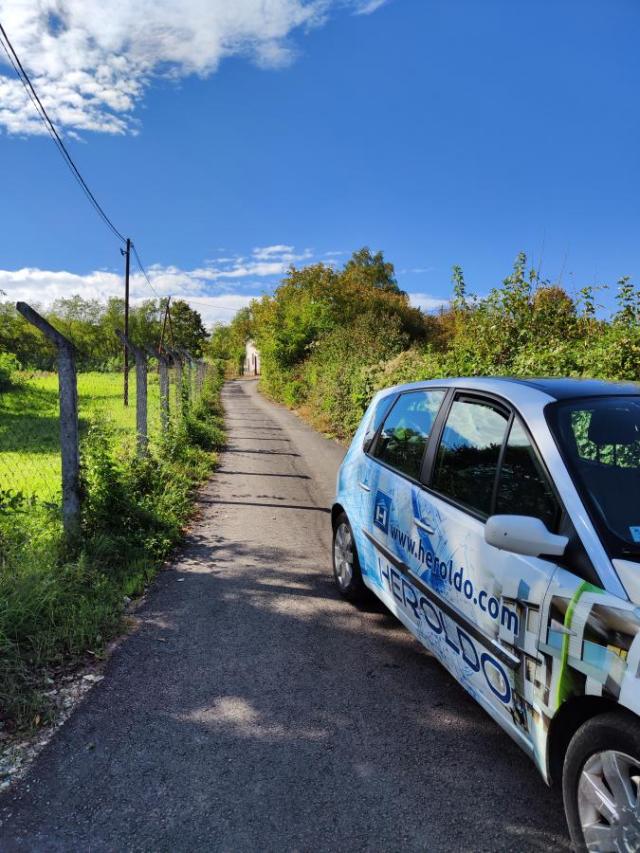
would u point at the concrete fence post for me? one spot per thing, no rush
(68, 396)
(163, 381)
(188, 376)
(177, 363)
(191, 374)
(187, 361)
(142, 436)
(193, 385)
(163, 384)
(201, 370)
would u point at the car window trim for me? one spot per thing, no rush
(611, 542)
(391, 400)
(462, 395)
(376, 438)
(374, 444)
(560, 507)
(501, 455)
(512, 412)
(452, 394)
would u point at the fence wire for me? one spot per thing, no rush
(30, 436)
(30, 421)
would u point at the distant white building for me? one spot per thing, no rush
(251, 360)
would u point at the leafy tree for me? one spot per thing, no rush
(188, 329)
(373, 269)
(322, 326)
(91, 325)
(228, 342)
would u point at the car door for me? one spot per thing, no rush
(356, 476)
(394, 468)
(489, 600)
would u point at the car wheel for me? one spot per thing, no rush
(601, 784)
(346, 566)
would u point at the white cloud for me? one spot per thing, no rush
(368, 6)
(265, 261)
(264, 252)
(426, 302)
(91, 62)
(220, 309)
(217, 290)
(42, 287)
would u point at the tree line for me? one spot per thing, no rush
(92, 325)
(329, 338)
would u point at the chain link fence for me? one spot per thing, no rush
(30, 437)
(33, 433)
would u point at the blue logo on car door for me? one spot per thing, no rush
(381, 509)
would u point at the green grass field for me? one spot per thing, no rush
(30, 427)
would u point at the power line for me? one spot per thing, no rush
(143, 271)
(22, 75)
(53, 133)
(188, 298)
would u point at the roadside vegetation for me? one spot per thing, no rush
(30, 430)
(329, 339)
(92, 325)
(61, 599)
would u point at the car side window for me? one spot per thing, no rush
(523, 486)
(467, 458)
(381, 408)
(404, 435)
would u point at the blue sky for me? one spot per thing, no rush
(440, 132)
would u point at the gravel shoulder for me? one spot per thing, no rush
(253, 710)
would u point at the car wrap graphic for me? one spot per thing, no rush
(589, 645)
(546, 636)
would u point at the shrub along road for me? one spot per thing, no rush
(255, 710)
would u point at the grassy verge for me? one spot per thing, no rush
(59, 600)
(30, 430)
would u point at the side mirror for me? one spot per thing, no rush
(525, 535)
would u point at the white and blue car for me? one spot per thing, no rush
(499, 520)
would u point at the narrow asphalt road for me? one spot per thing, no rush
(253, 710)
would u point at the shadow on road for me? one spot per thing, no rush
(255, 710)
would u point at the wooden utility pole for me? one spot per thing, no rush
(170, 323)
(127, 259)
(164, 322)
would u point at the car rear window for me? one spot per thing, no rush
(523, 486)
(403, 438)
(467, 458)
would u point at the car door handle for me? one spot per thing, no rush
(423, 526)
(364, 487)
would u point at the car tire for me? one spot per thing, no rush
(346, 565)
(601, 783)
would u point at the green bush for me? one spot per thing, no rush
(330, 339)
(9, 366)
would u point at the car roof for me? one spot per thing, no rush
(565, 389)
(553, 388)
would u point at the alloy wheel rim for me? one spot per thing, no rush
(343, 555)
(609, 802)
